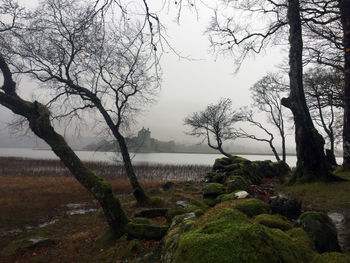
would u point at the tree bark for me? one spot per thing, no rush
(311, 161)
(344, 6)
(38, 117)
(139, 193)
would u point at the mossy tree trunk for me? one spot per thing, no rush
(138, 191)
(38, 117)
(311, 161)
(344, 6)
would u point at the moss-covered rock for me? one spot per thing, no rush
(226, 235)
(235, 183)
(212, 190)
(331, 257)
(220, 163)
(273, 221)
(172, 212)
(226, 197)
(253, 172)
(252, 207)
(321, 231)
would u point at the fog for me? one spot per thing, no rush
(188, 85)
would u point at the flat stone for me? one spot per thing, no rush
(241, 194)
(183, 204)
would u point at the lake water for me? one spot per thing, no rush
(149, 158)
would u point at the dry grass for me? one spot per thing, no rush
(36, 191)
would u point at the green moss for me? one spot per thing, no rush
(252, 207)
(238, 159)
(226, 197)
(305, 243)
(332, 257)
(226, 235)
(273, 221)
(219, 178)
(172, 212)
(213, 190)
(220, 163)
(210, 201)
(235, 183)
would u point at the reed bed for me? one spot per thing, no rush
(14, 166)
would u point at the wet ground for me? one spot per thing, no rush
(342, 223)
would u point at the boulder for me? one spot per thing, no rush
(183, 204)
(212, 190)
(321, 231)
(285, 205)
(235, 183)
(226, 235)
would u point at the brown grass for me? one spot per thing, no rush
(36, 191)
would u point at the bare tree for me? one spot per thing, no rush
(94, 58)
(325, 99)
(38, 117)
(267, 94)
(240, 39)
(214, 124)
(248, 116)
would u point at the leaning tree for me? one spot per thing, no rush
(240, 39)
(92, 56)
(214, 124)
(15, 21)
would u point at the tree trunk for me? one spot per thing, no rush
(274, 151)
(38, 117)
(344, 6)
(139, 194)
(311, 161)
(283, 148)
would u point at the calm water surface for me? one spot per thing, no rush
(150, 158)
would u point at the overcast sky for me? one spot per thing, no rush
(189, 86)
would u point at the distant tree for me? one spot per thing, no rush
(325, 99)
(267, 94)
(214, 124)
(93, 58)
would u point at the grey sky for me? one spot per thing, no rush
(190, 85)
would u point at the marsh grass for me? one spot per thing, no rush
(36, 191)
